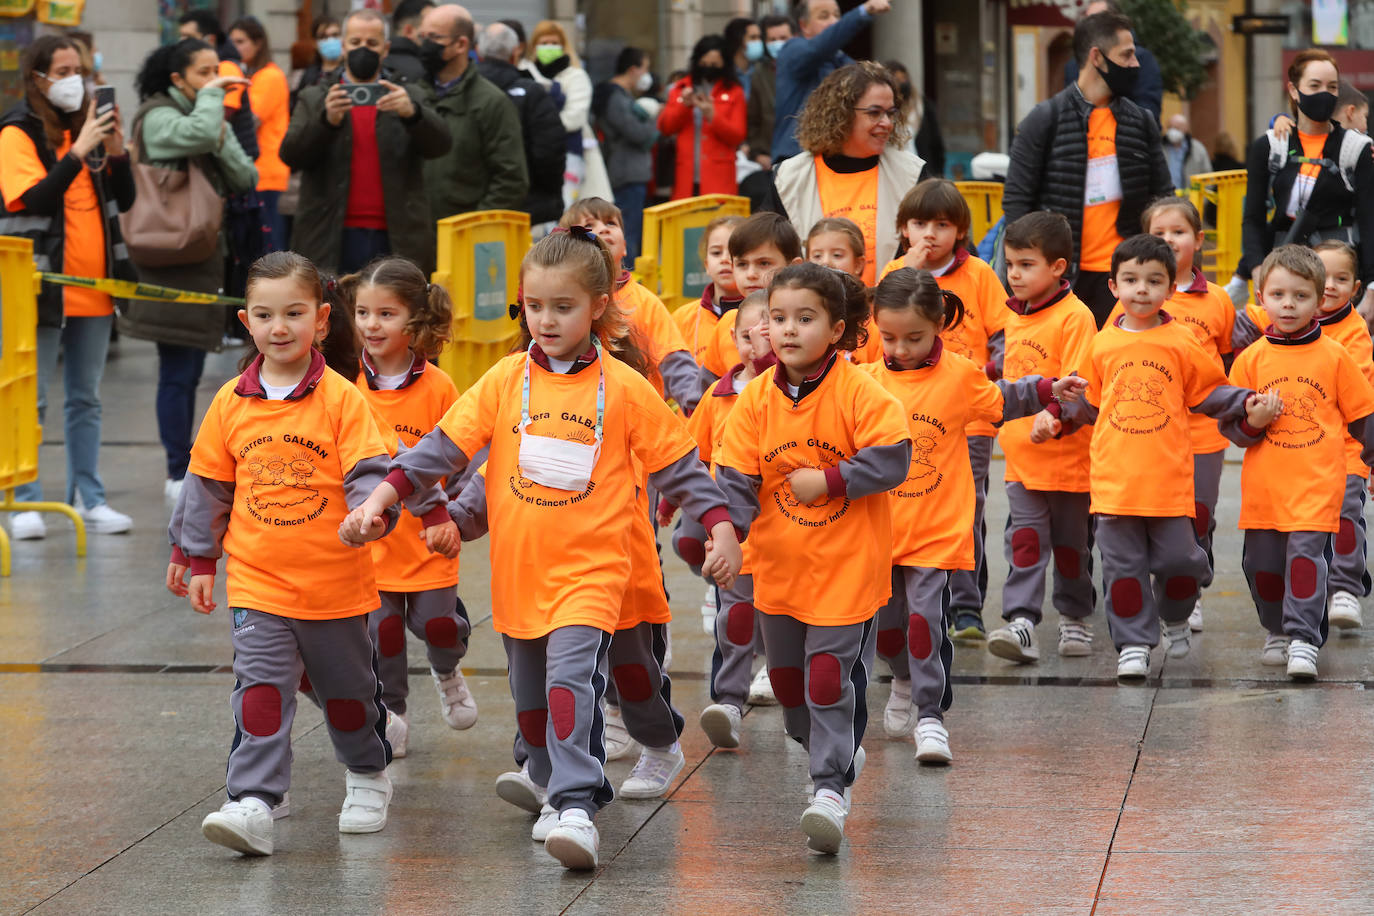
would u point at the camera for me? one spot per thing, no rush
(365, 93)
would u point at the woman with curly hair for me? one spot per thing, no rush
(853, 164)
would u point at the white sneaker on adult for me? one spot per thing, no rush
(1015, 642)
(574, 841)
(1275, 651)
(28, 526)
(459, 708)
(1178, 639)
(1195, 618)
(547, 820)
(103, 520)
(932, 741)
(654, 772)
(517, 788)
(244, 826)
(1134, 663)
(898, 716)
(171, 491)
(397, 734)
(761, 689)
(1075, 638)
(1302, 660)
(366, 797)
(619, 744)
(709, 609)
(823, 822)
(1343, 611)
(721, 721)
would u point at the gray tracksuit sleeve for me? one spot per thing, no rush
(365, 477)
(682, 379)
(876, 469)
(1244, 332)
(997, 350)
(432, 458)
(687, 484)
(1225, 402)
(1239, 432)
(742, 492)
(1363, 432)
(1021, 398)
(706, 378)
(469, 509)
(201, 516)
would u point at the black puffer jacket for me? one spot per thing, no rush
(542, 130)
(1049, 162)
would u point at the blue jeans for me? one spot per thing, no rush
(272, 221)
(360, 246)
(85, 343)
(178, 374)
(630, 199)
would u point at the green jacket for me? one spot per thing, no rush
(485, 168)
(323, 154)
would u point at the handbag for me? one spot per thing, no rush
(176, 216)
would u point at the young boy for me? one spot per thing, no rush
(697, 320)
(1293, 478)
(1048, 333)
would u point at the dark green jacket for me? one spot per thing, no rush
(485, 168)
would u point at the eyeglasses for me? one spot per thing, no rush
(877, 114)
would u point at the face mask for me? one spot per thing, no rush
(1120, 80)
(547, 54)
(710, 75)
(1174, 136)
(363, 64)
(432, 56)
(66, 93)
(753, 50)
(775, 47)
(1319, 106)
(98, 60)
(330, 48)
(645, 82)
(558, 463)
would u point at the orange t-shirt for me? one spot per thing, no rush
(1101, 194)
(645, 600)
(83, 242)
(828, 563)
(654, 324)
(872, 349)
(1143, 384)
(271, 100)
(932, 511)
(698, 328)
(558, 558)
(1294, 478)
(1347, 328)
(402, 562)
(288, 461)
(233, 95)
(721, 353)
(1052, 342)
(854, 196)
(1313, 146)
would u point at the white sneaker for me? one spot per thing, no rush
(1302, 660)
(898, 715)
(366, 797)
(28, 526)
(654, 772)
(1075, 638)
(709, 609)
(1178, 639)
(823, 822)
(518, 789)
(1343, 611)
(397, 734)
(932, 741)
(282, 808)
(548, 819)
(574, 841)
(459, 708)
(1195, 618)
(761, 689)
(619, 744)
(1133, 663)
(171, 491)
(1015, 641)
(244, 826)
(103, 520)
(1275, 651)
(721, 721)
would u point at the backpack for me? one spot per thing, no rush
(1353, 146)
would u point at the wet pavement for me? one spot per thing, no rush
(1215, 787)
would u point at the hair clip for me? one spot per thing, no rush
(580, 232)
(331, 285)
(429, 289)
(514, 311)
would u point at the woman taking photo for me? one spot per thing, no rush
(709, 116)
(271, 100)
(61, 169)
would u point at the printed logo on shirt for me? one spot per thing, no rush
(1138, 399)
(1023, 359)
(822, 456)
(956, 337)
(1297, 426)
(281, 494)
(1199, 328)
(923, 477)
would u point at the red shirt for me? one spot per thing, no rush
(366, 206)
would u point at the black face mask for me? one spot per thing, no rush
(1319, 106)
(363, 64)
(710, 75)
(1120, 80)
(432, 56)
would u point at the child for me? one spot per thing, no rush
(838, 243)
(934, 221)
(809, 450)
(403, 321)
(1145, 371)
(932, 511)
(697, 320)
(568, 432)
(1048, 333)
(1294, 473)
(283, 449)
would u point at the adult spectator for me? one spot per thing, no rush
(856, 162)
(63, 175)
(630, 136)
(1092, 154)
(1185, 155)
(926, 140)
(357, 210)
(1148, 91)
(238, 109)
(404, 60)
(328, 35)
(706, 112)
(763, 88)
(555, 62)
(1225, 155)
(271, 99)
(180, 122)
(516, 26)
(743, 46)
(540, 127)
(812, 56)
(485, 167)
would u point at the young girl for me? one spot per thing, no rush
(568, 431)
(283, 449)
(839, 243)
(697, 320)
(934, 221)
(809, 450)
(403, 321)
(932, 511)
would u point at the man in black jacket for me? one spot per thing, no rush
(404, 57)
(1091, 154)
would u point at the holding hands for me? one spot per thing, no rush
(1069, 389)
(1263, 409)
(1045, 427)
(723, 555)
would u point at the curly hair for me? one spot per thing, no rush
(430, 325)
(825, 123)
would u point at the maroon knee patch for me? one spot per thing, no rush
(890, 642)
(787, 685)
(739, 624)
(632, 683)
(563, 712)
(532, 723)
(692, 551)
(825, 679)
(1302, 578)
(1345, 542)
(1025, 548)
(345, 715)
(306, 686)
(1066, 561)
(1269, 586)
(1126, 597)
(442, 632)
(1179, 588)
(917, 637)
(261, 710)
(391, 636)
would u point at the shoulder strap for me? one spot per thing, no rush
(1278, 154)
(1353, 146)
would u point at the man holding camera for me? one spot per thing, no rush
(351, 208)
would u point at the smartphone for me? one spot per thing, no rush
(104, 100)
(365, 93)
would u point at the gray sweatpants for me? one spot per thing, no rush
(736, 638)
(1206, 488)
(436, 616)
(1041, 524)
(635, 660)
(969, 588)
(1287, 574)
(820, 676)
(273, 657)
(913, 636)
(557, 685)
(1349, 567)
(1151, 570)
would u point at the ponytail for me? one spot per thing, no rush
(917, 290)
(155, 76)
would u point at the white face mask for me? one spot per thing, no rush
(66, 93)
(558, 463)
(645, 82)
(1174, 136)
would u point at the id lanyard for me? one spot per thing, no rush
(600, 392)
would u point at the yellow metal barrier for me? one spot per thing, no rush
(984, 199)
(1226, 191)
(479, 265)
(19, 429)
(671, 262)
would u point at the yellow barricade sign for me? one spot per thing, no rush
(127, 289)
(671, 263)
(984, 199)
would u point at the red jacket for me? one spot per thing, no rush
(720, 137)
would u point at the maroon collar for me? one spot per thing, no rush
(1164, 318)
(1199, 284)
(960, 256)
(1337, 316)
(812, 381)
(727, 303)
(250, 382)
(417, 369)
(725, 388)
(1298, 338)
(1025, 308)
(932, 359)
(542, 360)
(624, 280)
